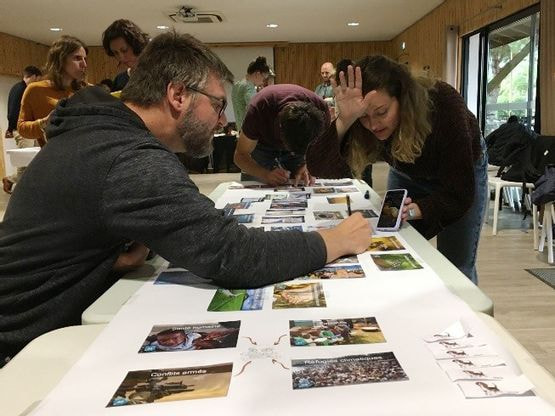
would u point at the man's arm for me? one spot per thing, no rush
(244, 160)
(148, 197)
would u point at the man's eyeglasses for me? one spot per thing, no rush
(219, 104)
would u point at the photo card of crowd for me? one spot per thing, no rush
(172, 384)
(340, 271)
(395, 262)
(350, 369)
(226, 300)
(324, 332)
(191, 337)
(299, 295)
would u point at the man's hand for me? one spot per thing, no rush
(9, 134)
(352, 236)
(303, 175)
(276, 176)
(131, 259)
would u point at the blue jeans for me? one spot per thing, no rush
(459, 240)
(266, 157)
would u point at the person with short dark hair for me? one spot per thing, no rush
(125, 41)
(109, 175)
(280, 123)
(242, 92)
(30, 74)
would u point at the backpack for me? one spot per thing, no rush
(505, 144)
(528, 162)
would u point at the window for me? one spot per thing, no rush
(500, 70)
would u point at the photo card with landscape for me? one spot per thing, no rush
(226, 300)
(395, 262)
(326, 332)
(385, 243)
(299, 295)
(339, 271)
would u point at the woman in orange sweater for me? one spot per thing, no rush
(66, 65)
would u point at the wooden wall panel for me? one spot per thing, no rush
(299, 63)
(100, 65)
(425, 40)
(547, 66)
(17, 53)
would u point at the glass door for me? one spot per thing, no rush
(512, 62)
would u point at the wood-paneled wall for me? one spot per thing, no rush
(547, 66)
(17, 53)
(299, 63)
(425, 40)
(100, 65)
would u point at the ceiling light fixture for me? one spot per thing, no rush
(353, 24)
(162, 27)
(56, 29)
(272, 25)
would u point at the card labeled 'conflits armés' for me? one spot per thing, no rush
(172, 384)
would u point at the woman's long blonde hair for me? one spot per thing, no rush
(381, 73)
(57, 55)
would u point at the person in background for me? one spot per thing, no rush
(66, 66)
(124, 40)
(325, 89)
(280, 123)
(243, 91)
(30, 74)
(109, 175)
(431, 141)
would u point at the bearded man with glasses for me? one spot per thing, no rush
(109, 175)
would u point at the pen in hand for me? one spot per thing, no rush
(349, 205)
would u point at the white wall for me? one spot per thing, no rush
(237, 60)
(6, 83)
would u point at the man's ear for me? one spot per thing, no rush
(178, 97)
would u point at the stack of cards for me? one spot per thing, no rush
(474, 365)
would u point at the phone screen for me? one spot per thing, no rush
(391, 208)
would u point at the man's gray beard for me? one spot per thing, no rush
(197, 136)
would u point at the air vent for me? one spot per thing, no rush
(190, 15)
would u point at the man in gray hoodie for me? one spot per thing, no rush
(109, 176)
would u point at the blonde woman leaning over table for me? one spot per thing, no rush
(66, 65)
(431, 141)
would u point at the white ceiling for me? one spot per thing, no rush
(244, 20)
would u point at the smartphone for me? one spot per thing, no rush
(392, 209)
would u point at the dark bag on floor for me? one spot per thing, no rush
(545, 187)
(530, 161)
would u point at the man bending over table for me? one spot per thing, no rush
(280, 123)
(109, 176)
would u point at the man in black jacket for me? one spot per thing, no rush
(30, 74)
(109, 175)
